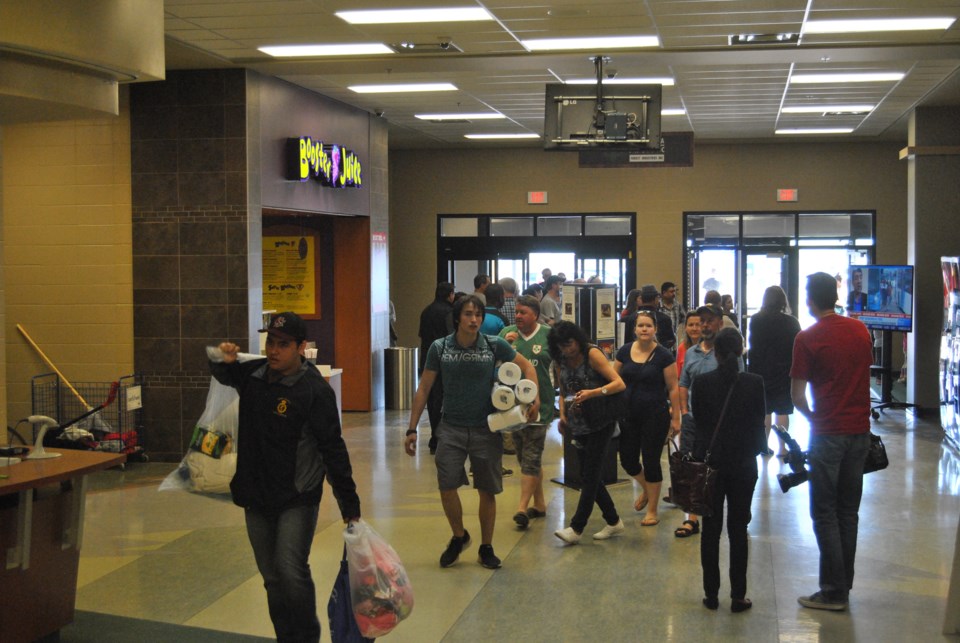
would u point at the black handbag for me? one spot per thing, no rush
(692, 482)
(603, 410)
(876, 455)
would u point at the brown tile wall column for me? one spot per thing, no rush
(189, 182)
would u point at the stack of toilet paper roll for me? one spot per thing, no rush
(511, 396)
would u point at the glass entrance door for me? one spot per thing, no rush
(762, 269)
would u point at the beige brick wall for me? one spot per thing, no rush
(67, 252)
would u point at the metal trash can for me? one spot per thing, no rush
(400, 370)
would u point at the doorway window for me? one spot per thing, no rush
(742, 254)
(511, 227)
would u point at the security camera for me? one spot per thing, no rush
(611, 73)
(379, 113)
(444, 44)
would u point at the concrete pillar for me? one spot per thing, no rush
(933, 230)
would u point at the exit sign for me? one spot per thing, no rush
(536, 198)
(787, 194)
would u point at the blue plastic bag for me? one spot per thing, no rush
(343, 625)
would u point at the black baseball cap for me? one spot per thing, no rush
(711, 309)
(287, 326)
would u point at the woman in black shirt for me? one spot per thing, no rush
(650, 373)
(739, 440)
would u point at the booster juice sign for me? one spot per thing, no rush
(334, 166)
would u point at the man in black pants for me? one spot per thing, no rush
(290, 430)
(436, 321)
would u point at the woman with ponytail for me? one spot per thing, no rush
(731, 403)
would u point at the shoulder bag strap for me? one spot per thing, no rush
(723, 414)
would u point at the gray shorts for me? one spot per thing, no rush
(529, 444)
(485, 450)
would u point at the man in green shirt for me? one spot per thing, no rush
(529, 338)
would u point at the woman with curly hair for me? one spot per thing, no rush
(584, 373)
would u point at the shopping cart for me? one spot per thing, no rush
(118, 428)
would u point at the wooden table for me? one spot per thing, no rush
(41, 531)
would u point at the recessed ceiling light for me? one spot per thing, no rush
(500, 136)
(673, 112)
(877, 24)
(835, 109)
(666, 82)
(410, 87)
(874, 77)
(303, 51)
(457, 117)
(403, 16)
(612, 42)
(819, 130)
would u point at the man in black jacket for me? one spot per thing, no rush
(290, 431)
(436, 321)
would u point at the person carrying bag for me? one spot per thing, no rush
(728, 408)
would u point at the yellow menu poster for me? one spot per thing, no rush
(289, 275)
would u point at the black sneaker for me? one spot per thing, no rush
(506, 473)
(452, 552)
(487, 558)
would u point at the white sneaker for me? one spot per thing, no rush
(610, 531)
(567, 535)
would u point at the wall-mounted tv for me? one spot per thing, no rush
(618, 116)
(880, 296)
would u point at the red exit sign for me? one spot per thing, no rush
(536, 198)
(787, 194)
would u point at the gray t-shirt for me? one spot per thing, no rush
(549, 310)
(468, 375)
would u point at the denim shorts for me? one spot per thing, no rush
(484, 449)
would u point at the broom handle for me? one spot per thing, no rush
(51, 365)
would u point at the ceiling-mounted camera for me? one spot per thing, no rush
(444, 44)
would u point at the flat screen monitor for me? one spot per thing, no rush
(628, 118)
(881, 297)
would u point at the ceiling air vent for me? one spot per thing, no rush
(764, 39)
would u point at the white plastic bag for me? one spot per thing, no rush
(204, 469)
(380, 591)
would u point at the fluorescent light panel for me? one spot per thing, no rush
(666, 82)
(500, 136)
(820, 109)
(872, 77)
(347, 49)
(876, 25)
(817, 130)
(410, 87)
(458, 117)
(406, 16)
(611, 42)
(673, 112)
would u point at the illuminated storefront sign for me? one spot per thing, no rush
(332, 165)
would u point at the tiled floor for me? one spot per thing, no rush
(183, 558)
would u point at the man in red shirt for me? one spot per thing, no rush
(834, 357)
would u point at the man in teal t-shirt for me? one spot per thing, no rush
(529, 338)
(466, 362)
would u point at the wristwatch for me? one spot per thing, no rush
(603, 390)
